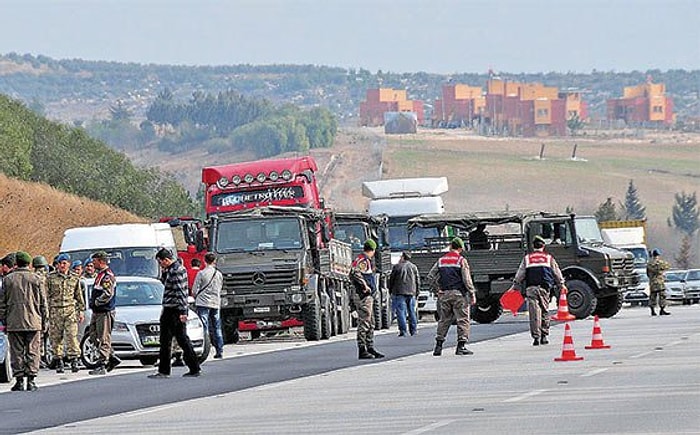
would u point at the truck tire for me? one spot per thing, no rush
(229, 329)
(609, 306)
(386, 314)
(344, 320)
(487, 313)
(580, 299)
(311, 316)
(5, 368)
(326, 320)
(377, 312)
(89, 353)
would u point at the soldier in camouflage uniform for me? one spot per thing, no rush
(657, 287)
(66, 311)
(362, 276)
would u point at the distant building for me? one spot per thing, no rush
(459, 106)
(529, 109)
(382, 100)
(645, 104)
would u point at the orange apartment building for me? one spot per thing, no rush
(382, 100)
(643, 104)
(460, 105)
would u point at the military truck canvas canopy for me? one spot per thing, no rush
(467, 221)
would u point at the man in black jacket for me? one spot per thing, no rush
(173, 318)
(404, 284)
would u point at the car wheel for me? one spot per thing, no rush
(5, 368)
(148, 360)
(89, 353)
(206, 349)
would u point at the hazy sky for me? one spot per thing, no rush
(442, 36)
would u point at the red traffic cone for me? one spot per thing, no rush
(597, 340)
(568, 353)
(563, 310)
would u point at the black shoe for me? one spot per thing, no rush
(31, 386)
(59, 366)
(438, 348)
(653, 313)
(192, 374)
(544, 340)
(218, 356)
(663, 312)
(363, 354)
(19, 385)
(74, 365)
(112, 363)
(98, 371)
(536, 342)
(462, 349)
(374, 353)
(402, 334)
(158, 375)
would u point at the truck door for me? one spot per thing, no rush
(559, 237)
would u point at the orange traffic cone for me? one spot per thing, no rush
(563, 310)
(597, 340)
(568, 353)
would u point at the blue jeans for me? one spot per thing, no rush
(402, 305)
(211, 320)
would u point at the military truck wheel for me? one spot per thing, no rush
(5, 367)
(386, 313)
(229, 329)
(326, 322)
(609, 306)
(580, 299)
(377, 312)
(89, 352)
(487, 313)
(344, 320)
(148, 360)
(311, 316)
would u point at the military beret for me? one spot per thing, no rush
(75, 264)
(62, 257)
(457, 243)
(23, 259)
(87, 261)
(370, 245)
(655, 252)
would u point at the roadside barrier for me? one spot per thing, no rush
(568, 353)
(597, 339)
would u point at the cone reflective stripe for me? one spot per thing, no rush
(563, 310)
(597, 340)
(568, 353)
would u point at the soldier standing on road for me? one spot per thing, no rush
(66, 308)
(102, 304)
(657, 287)
(540, 273)
(362, 277)
(173, 318)
(207, 292)
(24, 313)
(404, 284)
(451, 279)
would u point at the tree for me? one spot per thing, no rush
(633, 206)
(575, 123)
(607, 211)
(685, 254)
(119, 113)
(685, 215)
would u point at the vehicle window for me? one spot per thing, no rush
(132, 293)
(399, 236)
(126, 261)
(693, 275)
(354, 234)
(674, 276)
(258, 234)
(587, 230)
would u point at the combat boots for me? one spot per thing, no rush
(19, 385)
(438, 347)
(653, 313)
(59, 365)
(663, 312)
(74, 365)
(363, 353)
(462, 349)
(374, 353)
(31, 386)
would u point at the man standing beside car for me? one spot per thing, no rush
(103, 304)
(66, 308)
(207, 293)
(173, 318)
(24, 314)
(657, 286)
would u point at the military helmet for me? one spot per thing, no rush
(39, 261)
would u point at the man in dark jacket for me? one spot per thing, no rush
(173, 318)
(404, 283)
(24, 313)
(103, 304)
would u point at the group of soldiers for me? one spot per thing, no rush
(48, 300)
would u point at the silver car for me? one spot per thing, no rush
(639, 294)
(674, 281)
(136, 332)
(691, 290)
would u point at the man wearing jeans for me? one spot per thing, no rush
(207, 292)
(404, 283)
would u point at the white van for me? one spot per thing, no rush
(131, 247)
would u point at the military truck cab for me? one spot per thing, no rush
(596, 274)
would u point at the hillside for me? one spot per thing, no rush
(34, 216)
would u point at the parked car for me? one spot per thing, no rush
(691, 289)
(5, 368)
(638, 295)
(675, 282)
(136, 332)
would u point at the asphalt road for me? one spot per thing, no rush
(64, 403)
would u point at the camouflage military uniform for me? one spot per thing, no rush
(657, 288)
(66, 305)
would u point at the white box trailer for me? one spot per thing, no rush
(131, 247)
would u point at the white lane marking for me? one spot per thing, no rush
(428, 428)
(639, 355)
(594, 372)
(524, 396)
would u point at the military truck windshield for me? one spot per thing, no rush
(587, 230)
(399, 236)
(258, 234)
(641, 256)
(126, 261)
(355, 234)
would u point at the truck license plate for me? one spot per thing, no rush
(261, 309)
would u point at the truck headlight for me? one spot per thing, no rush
(297, 298)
